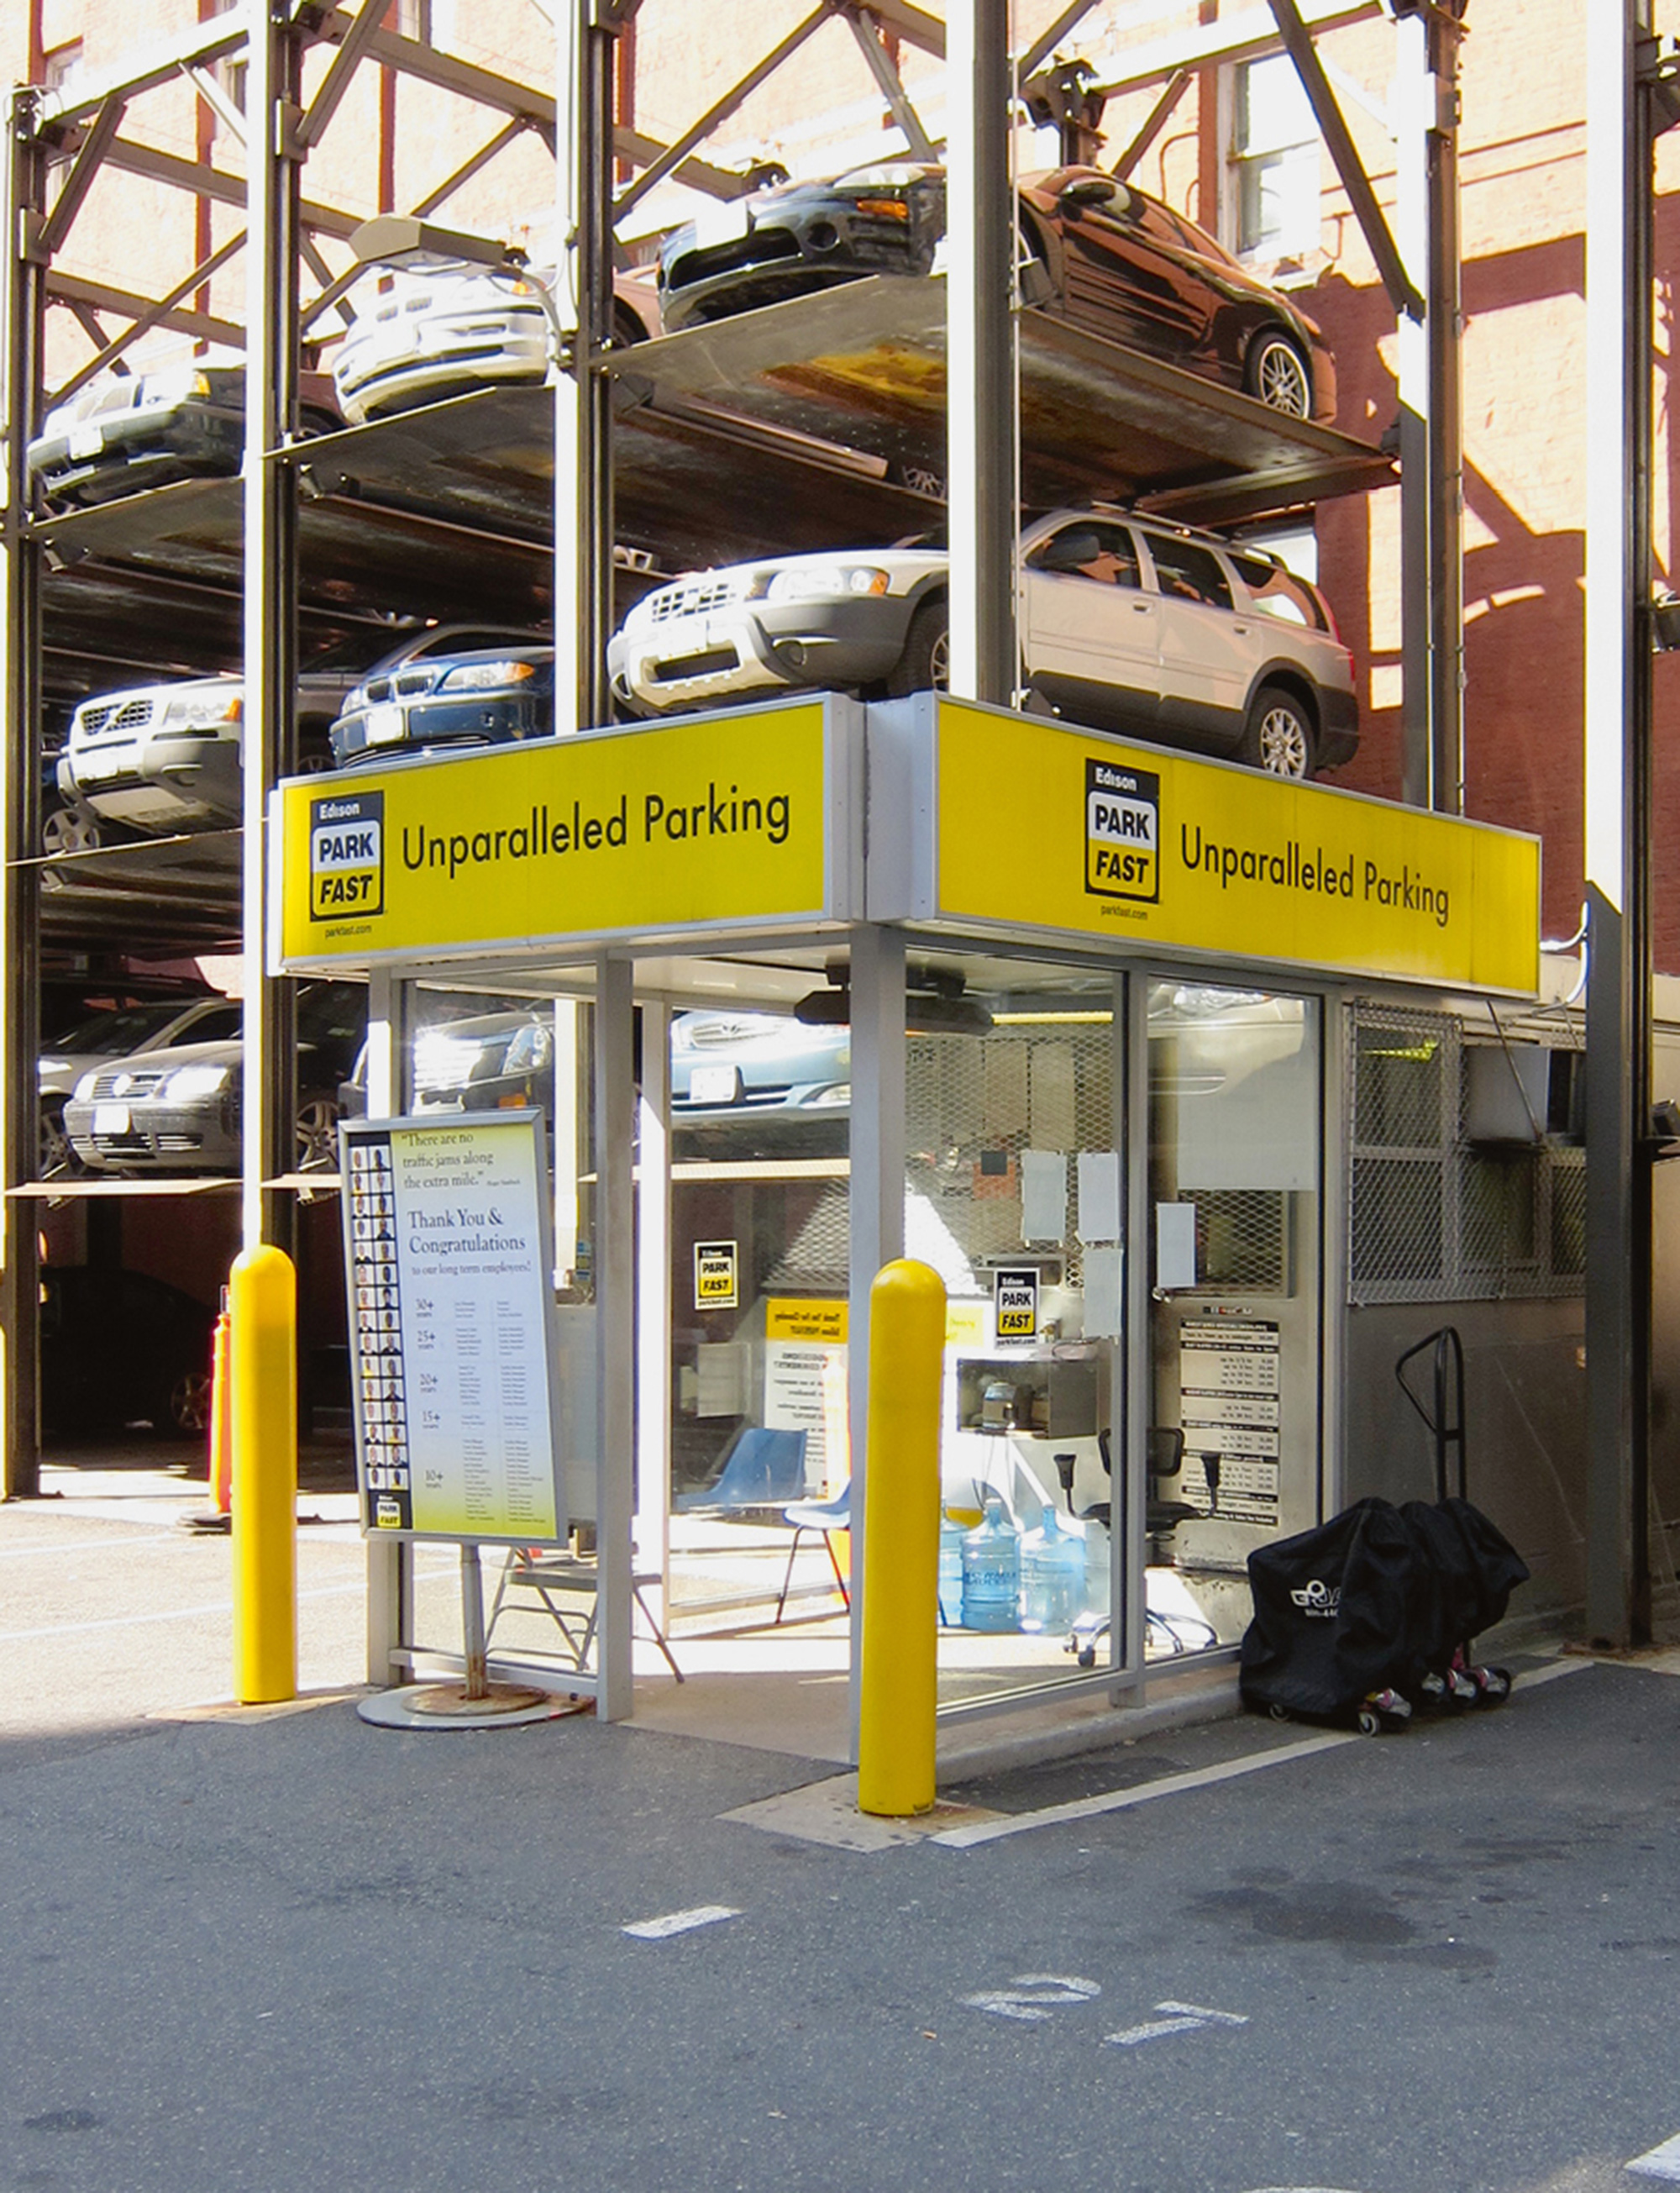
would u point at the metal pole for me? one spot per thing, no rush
(24, 308)
(271, 592)
(981, 424)
(586, 47)
(1618, 155)
(614, 1328)
(876, 1207)
(1432, 452)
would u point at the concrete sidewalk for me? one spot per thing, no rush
(277, 1950)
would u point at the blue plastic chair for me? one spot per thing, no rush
(826, 1516)
(763, 1468)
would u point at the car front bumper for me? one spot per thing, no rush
(362, 739)
(158, 784)
(426, 362)
(757, 647)
(154, 1137)
(100, 459)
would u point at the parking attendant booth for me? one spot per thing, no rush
(813, 985)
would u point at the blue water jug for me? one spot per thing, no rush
(1051, 1576)
(991, 1572)
(1098, 1558)
(951, 1573)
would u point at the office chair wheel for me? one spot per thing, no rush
(1088, 1656)
(1278, 1713)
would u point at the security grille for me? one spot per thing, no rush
(1242, 1240)
(1433, 1218)
(973, 1104)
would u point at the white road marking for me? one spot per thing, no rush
(680, 1922)
(170, 1614)
(1116, 1800)
(1178, 2018)
(123, 1545)
(1051, 1989)
(1662, 2161)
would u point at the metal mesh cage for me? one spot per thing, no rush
(973, 1103)
(1431, 1217)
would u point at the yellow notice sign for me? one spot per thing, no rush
(676, 827)
(717, 1270)
(819, 1322)
(1135, 845)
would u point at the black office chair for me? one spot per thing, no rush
(1165, 1457)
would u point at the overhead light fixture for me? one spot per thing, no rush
(404, 241)
(933, 1002)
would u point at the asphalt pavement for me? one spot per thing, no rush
(281, 1951)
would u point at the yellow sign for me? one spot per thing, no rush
(1014, 1296)
(726, 821)
(815, 1320)
(717, 1265)
(1041, 828)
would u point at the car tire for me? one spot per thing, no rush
(1278, 375)
(925, 665)
(68, 830)
(56, 1154)
(1278, 736)
(318, 1134)
(182, 1409)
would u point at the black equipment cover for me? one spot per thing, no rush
(1373, 1599)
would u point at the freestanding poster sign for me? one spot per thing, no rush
(450, 1274)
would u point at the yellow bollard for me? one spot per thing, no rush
(263, 1300)
(901, 1541)
(221, 1416)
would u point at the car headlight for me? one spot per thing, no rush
(811, 583)
(189, 1082)
(84, 1087)
(200, 711)
(481, 676)
(837, 1093)
(174, 386)
(531, 1047)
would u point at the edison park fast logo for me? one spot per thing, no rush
(1123, 831)
(347, 854)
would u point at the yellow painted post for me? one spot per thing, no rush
(263, 1299)
(901, 1541)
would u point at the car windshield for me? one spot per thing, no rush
(325, 1015)
(129, 1029)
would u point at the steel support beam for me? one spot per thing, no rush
(1153, 123)
(1432, 430)
(583, 305)
(862, 24)
(145, 316)
(1619, 149)
(24, 306)
(82, 169)
(75, 292)
(615, 1331)
(674, 155)
(271, 223)
(981, 413)
(875, 1195)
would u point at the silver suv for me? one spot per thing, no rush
(1126, 624)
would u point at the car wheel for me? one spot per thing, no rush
(1278, 374)
(925, 665)
(67, 830)
(1278, 736)
(182, 1409)
(318, 1135)
(56, 1154)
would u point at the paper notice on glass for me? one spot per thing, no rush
(1043, 1196)
(1175, 1244)
(1103, 1287)
(1099, 1195)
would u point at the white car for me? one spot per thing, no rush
(163, 758)
(1126, 624)
(431, 337)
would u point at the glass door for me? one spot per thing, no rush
(1235, 1159)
